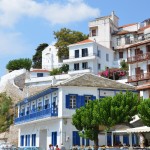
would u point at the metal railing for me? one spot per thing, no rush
(37, 114)
(137, 58)
(139, 77)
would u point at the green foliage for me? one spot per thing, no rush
(6, 117)
(124, 65)
(37, 57)
(19, 64)
(64, 68)
(107, 112)
(144, 111)
(66, 37)
(57, 71)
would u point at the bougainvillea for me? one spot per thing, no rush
(113, 73)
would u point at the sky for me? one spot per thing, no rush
(24, 24)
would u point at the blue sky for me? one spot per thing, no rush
(24, 24)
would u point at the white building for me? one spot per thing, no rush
(45, 118)
(88, 56)
(50, 59)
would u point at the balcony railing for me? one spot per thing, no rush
(138, 58)
(139, 77)
(86, 55)
(37, 114)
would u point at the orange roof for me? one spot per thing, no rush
(39, 70)
(142, 29)
(85, 41)
(144, 86)
(127, 25)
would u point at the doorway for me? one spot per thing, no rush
(43, 139)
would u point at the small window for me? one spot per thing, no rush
(84, 65)
(46, 103)
(99, 66)
(76, 53)
(84, 52)
(98, 53)
(94, 32)
(39, 106)
(87, 99)
(72, 101)
(39, 74)
(120, 55)
(76, 66)
(107, 57)
(118, 42)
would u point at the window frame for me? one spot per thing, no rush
(76, 55)
(84, 52)
(72, 105)
(76, 68)
(84, 65)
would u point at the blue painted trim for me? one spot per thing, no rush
(34, 97)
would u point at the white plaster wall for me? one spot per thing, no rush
(73, 90)
(34, 74)
(145, 94)
(50, 59)
(103, 37)
(131, 28)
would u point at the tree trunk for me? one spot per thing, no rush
(96, 143)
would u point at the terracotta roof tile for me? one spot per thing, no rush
(39, 70)
(142, 29)
(85, 41)
(127, 25)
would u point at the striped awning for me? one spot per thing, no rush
(138, 129)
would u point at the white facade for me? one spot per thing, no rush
(46, 118)
(88, 56)
(50, 59)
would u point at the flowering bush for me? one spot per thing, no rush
(113, 73)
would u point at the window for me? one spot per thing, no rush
(55, 102)
(76, 53)
(127, 39)
(98, 53)
(84, 65)
(39, 106)
(87, 99)
(84, 52)
(33, 108)
(107, 57)
(118, 42)
(39, 74)
(54, 138)
(99, 66)
(28, 110)
(22, 140)
(76, 66)
(72, 101)
(120, 55)
(27, 140)
(46, 103)
(94, 32)
(33, 139)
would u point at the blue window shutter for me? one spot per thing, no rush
(82, 101)
(87, 142)
(78, 101)
(22, 140)
(67, 101)
(117, 139)
(109, 140)
(54, 138)
(133, 141)
(93, 97)
(83, 141)
(76, 138)
(126, 139)
(26, 140)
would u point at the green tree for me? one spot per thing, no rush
(55, 71)
(64, 68)
(37, 57)
(84, 119)
(124, 65)
(107, 112)
(66, 37)
(6, 115)
(19, 64)
(144, 111)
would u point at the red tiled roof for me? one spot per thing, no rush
(39, 70)
(144, 86)
(85, 41)
(142, 29)
(127, 25)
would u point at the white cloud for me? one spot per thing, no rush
(11, 11)
(12, 44)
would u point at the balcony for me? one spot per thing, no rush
(139, 77)
(80, 58)
(138, 58)
(37, 114)
(71, 72)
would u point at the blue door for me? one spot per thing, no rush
(76, 138)
(54, 138)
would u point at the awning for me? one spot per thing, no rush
(138, 129)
